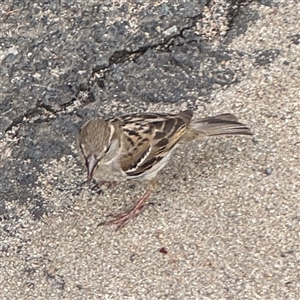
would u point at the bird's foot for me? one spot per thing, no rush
(122, 219)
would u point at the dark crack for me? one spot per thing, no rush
(52, 103)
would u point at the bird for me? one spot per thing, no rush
(138, 145)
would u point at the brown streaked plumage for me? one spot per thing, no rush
(137, 146)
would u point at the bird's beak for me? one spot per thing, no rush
(91, 163)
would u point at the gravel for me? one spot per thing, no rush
(225, 222)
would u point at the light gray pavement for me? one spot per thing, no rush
(227, 210)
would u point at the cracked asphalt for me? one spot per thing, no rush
(225, 222)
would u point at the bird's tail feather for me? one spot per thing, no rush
(225, 124)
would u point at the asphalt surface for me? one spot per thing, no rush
(225, 222)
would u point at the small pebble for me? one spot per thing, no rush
(268, 171)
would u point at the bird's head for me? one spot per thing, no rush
(98, 143)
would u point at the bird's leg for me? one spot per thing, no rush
(122, 219)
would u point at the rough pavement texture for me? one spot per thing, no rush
(225, 223)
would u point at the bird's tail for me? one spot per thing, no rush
(225, 124)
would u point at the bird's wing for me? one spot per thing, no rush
(148, 138)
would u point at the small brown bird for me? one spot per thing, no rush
(137, 146)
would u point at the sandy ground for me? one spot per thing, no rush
(225, 221)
